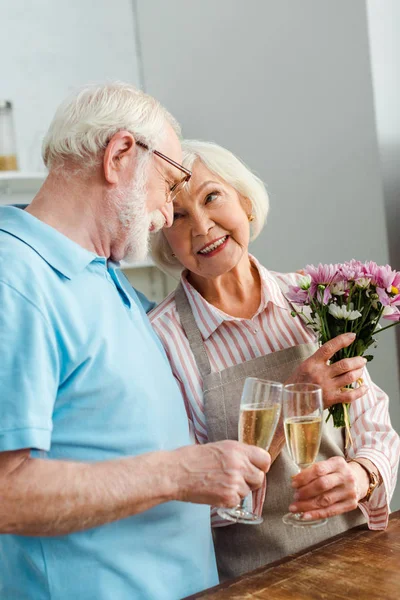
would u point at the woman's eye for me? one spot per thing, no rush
(211, 196)
(177, 216)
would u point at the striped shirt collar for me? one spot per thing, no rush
(208, 317)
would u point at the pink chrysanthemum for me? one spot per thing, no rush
(395, 316)
(382, 276)
(352, 270)
(323, 275)
(297, 295)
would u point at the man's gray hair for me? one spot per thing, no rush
(228, 167)
(83, 124)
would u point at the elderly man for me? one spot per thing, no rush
(102, 495)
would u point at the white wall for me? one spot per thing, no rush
(287, 86)
(48, 48)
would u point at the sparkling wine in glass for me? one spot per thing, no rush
(260, 408)
(302, 417)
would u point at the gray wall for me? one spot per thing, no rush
(48, 48)
(384, 24)
(286, 86)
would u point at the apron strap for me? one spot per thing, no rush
(192, 331)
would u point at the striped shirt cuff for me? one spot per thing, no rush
(377, 509)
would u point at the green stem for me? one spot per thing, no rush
(387, 327)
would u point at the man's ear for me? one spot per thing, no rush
(120, 149)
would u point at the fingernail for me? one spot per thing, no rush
(306, 516)
(293, 508)
(294, 483)
(365, 361)
(296, 496)
(351, 336)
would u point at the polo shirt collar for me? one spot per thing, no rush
(61, 253)
(208, 318)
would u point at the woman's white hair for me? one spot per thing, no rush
(83, 124)
(228, 167)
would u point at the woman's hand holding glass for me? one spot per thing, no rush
(302, 418)
(328, 488)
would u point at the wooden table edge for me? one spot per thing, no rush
(227, 584)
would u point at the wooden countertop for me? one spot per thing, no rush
(356, 565)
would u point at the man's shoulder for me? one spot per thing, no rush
(21, 267)
(164, 311)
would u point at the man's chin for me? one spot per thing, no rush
(136, 255)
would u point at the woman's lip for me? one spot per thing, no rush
(211, 243)
(214, 252)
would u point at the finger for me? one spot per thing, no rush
(255, 480)
(229, 497)
(331, 511)
(348, 378)
(333, 496)
(317, 470)
(328, 349)
(319, 486)
(347, 364)
(259, 457)
(349, 396)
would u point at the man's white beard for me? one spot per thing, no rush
(134, 215)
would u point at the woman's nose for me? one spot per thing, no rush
(201, 225)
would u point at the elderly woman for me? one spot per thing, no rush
(229, 319)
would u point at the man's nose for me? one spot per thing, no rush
(168, 213)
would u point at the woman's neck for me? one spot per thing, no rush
(236, 293)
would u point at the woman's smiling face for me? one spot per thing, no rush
(210, 233)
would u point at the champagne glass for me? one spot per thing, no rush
(260, 408)
(302, 417)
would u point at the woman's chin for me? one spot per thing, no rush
(217, 266)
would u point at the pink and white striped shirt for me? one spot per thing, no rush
(230, 341)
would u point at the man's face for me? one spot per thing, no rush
(163, 176)
(146, 202)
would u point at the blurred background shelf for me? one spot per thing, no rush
(142, 264)
(19, 186)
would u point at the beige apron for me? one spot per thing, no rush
(242, 548)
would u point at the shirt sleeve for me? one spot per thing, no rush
(29, 373)
(375, 439)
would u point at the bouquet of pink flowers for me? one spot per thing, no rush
(348, 297)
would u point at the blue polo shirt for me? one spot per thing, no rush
(84, 378)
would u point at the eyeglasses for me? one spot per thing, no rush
(178, 187)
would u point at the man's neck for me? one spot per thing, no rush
(77, 208)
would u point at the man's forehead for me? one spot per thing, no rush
(171, 145)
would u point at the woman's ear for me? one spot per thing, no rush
(247, 206)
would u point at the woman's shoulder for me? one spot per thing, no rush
(283, 280)
(164, 310)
